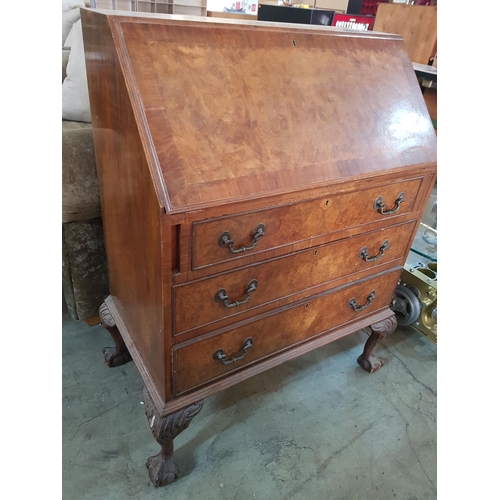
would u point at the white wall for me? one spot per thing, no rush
(217, 5)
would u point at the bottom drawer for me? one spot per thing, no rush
(203, 361)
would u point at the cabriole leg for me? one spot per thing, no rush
(368, 361)
(162, 467)
(117, 355)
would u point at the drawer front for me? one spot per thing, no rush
(195, 363)
(226, 238)
(229, 294)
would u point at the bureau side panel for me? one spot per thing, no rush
(129, 204)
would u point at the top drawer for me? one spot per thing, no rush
(226, 238)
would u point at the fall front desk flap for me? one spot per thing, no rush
(235, 110)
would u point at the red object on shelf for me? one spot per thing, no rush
(353, 22)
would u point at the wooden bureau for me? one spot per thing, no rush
(260, 184)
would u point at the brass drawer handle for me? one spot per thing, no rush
(379, 206)
(352, 303)
(363, 253)
(226, 241)
(220, 356)
(221, 296)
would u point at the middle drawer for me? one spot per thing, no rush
(208, 300)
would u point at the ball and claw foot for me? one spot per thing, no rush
(119, 354)
(368, 361)
(162, 470)
(370, 364)
(162, 467)
(114, 358)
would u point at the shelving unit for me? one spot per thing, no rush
(185, 7)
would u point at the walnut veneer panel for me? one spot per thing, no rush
(297, 222)
(225, 104)
(195, 304)
(195, 364)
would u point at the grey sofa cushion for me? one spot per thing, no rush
(80, 192)
(65, 59)
(75, 94)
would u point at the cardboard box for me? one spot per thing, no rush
(336, 5)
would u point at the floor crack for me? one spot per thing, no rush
(420, 463)
(413, 376)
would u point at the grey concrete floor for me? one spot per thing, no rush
(317, 427)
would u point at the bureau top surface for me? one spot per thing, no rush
(232, 111)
